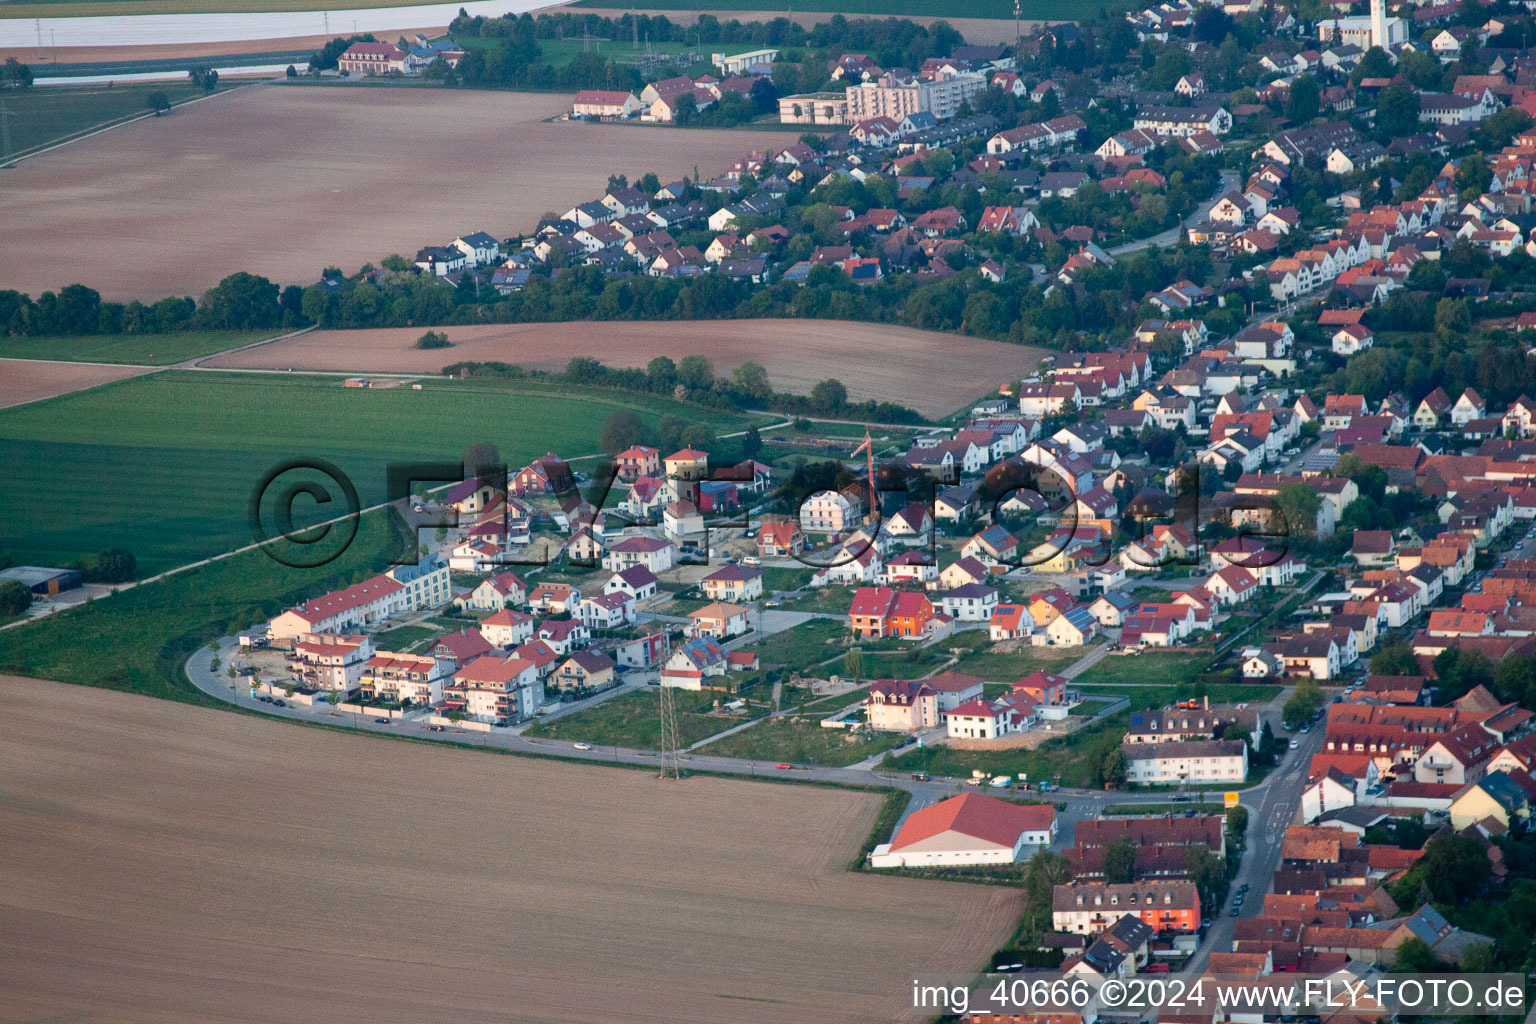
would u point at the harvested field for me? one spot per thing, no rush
(29, 380)
(168, 863)
(931, 372)
(299, 178)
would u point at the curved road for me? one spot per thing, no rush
(1272, 802)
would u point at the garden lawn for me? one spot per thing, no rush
(405, 639)
(165, 465)
(139, 349)
(633, 720)
(801, 741)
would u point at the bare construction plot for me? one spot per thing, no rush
(931, 372)
(284, 181)
(168, 863)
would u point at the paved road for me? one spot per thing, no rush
(1273, 806)
(1169, 238)
(1274, 794)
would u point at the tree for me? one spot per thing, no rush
(159, 102)
(751, 443)
(829, 396)
(17, 74)
(116, 566)
(1237, 820)
(622, 429)
(1395, 658)
(661, 373)
(853, 664)
(1305, 97)
(1374, 64)
(1298, 505)
(751, 380)
(241, 302)
(204, 78)
(1120, 861)
(1207, 871)
(292, 72)
(1115, 767)
(15, 598)
(1414, 957)
(1397, 109)
(696, 373)
(433, 339)
(1478, 958)
(1303, 704)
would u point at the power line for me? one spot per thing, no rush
(669, 740)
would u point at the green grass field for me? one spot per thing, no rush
(142, 349)
(138, 639)
(802, 741)
(800, 647)
(165, 465)
(633, 720)
(1170, 667)
(45, 114)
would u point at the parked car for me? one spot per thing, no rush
(1159, 969)
(781, 766)
(434, 728)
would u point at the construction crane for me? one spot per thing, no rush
(868, 448)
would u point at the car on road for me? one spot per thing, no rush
(383, 721)
(434, 728)
(921, 777)
(1294, 744)
(280, 703)
(1235, 912)
(583, 746)
(1206, 923)
(781, 766)
(1243, 887)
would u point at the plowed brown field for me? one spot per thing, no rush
(166, 863)
(285, 181)
(931, 372)
(29, 380)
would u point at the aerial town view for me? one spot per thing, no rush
(913, 511)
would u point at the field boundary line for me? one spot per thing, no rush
(91, 133)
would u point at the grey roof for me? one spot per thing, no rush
(33, 575)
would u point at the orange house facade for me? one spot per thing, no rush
(881, 612)
(1161, 906)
